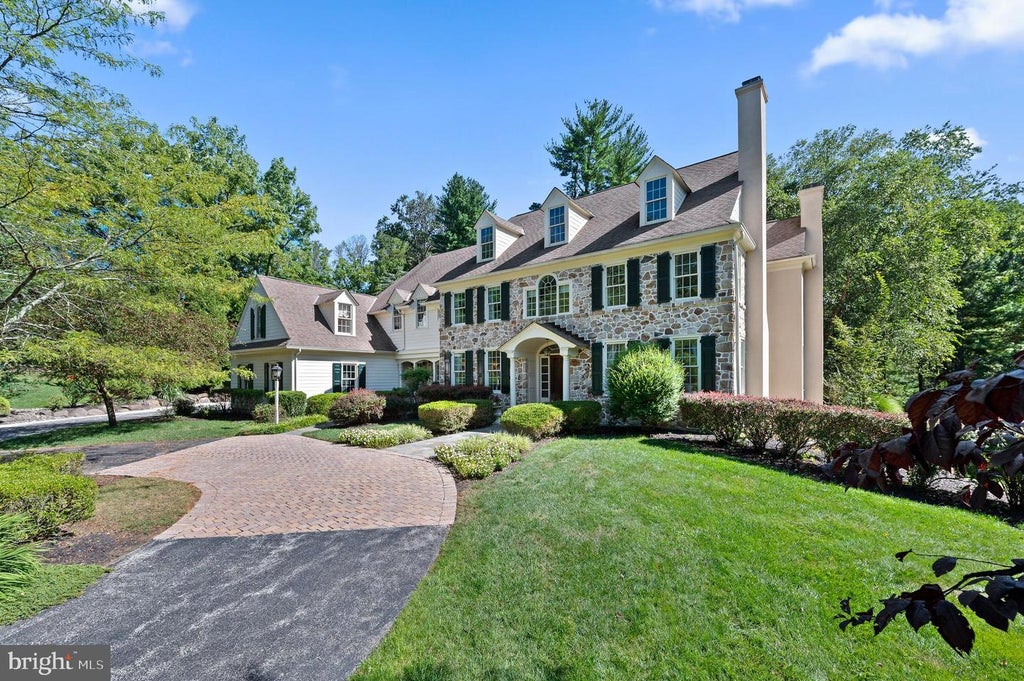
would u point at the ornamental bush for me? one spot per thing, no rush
(19, 561)
(434, 392)
(415, 377)
(581, 416)
(321, 404)
(446, 416)
(243, 401)
(377, 437)
(263, 413)
(536, 420)
(46, 489)
(292, 402)
(5, 407)
(644, 384)
(357, 407)
(400, 405)
(483, 415)
(478, 457)
(284, 426)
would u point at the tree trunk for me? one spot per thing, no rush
(108, 402)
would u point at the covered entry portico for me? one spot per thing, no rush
(540, 360)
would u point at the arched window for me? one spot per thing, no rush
(548, 298)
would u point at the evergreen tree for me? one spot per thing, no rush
(462, 201)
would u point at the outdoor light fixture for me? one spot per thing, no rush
(275, 373)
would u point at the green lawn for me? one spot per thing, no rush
(53, 584)
(175, 428)
(631, 559)
(31, 391)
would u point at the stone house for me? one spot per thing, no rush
(538, 309)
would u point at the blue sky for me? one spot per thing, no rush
(369, 100)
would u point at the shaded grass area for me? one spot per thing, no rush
(52, 585)
(331, 434)
(622, 559)
(31, 391)
(146, 430)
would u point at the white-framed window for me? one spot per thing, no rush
(548, 298)
(486, 242)
(556, 225)
(686, 351)
(346, 319)
(656, 203)
(685, 275)
(615, 285)
(459, 308)
(458, 368)
(421, 316)
(396, 319)
(612, 349)
(493, 308)
(492, 376)
(349, 376)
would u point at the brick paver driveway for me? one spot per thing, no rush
(293, 565)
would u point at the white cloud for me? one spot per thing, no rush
(888, 40)
(975, 137)
(153, 48)
(177, 13)
(726, 10)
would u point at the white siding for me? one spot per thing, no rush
(258, 362)
(576, 222)
(502, 240)
(274, 328)
(315, 373)
(409, 338)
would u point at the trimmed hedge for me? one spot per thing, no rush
(581, 416)
(46, 488)
(321, 404)
(435, 392)
(536, 420)
(483, 415)
(478, 457)
(796, 425)
(644, 384)
(357, 407)
(244, 401)
(5, 407)
(264, 413)
(292, 402)
(445, 416)
(382, 438)
(400, 405)
(285, 425)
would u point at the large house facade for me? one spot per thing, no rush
(538, 309)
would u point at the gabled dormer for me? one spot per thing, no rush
(563, 218)
(662, 191)
(339, 309)
(494, 235)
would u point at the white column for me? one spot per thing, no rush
(512, 379)
(564, 352)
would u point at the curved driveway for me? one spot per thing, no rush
(293, 564)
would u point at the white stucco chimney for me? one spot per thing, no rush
(751, 98)
(811, 199)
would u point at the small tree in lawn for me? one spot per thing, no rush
(111, 371)
(644, 384)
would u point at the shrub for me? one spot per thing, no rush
(478, 457)
(414, 378)
(446, 416)
(263, 413)
(644, 384)
(285, 425)
(18, 561)
(43, 488)
(183, 406)
(483, 415)
(382, 438)
(321, 404)
(581, 416)
(292, 402)
(359, 406)
(5, 407)
(243, 401)
(536, 420)
(796, 424)
(400, 405)
(434, 392)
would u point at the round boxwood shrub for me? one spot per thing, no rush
(357, 407)
(446, 416)
(321, 404)
(483, 415)
(581, 416)
(293, 402)
(264, 413)
(536, 420)
(644, 385)
(5, 407)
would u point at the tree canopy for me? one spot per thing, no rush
(462, 201)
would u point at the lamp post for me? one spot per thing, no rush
(275, 373)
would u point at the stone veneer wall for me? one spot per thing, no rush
(645, 322)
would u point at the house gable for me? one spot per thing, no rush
(563, 218)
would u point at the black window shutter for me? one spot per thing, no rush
(252, 323)
(267, 387)
(506, 372)
(362, 375)
(469, 306)
(469, 367)
(708, 274)
(506, 299)
(481, 361)
(597, 287)
(663, 343)
(336, 377)
(633, 282)
(664, 278)
(597, 368)
(448, 309)
(708, 358)
(481, 304)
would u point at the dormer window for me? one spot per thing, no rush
(657, 199)
(556, 225)
(396, 319)
(487, 242)
(346, 320)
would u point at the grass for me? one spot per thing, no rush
(148, 430)
(31, 391)
(52, 585)
(140, 506)
(331, 434)
(626, 558)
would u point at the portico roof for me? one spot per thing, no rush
(544, 331)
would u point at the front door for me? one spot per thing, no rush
(555, 377)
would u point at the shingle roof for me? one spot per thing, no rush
(429, 271)
(786, 239)
(305, 326)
